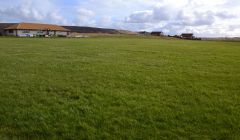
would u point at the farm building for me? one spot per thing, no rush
(156, 33)
(35, 29)
(143, 33)
(187, 36)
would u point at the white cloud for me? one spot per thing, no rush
(140, 17)
(105, 21)
(225, 15)
(33, 11)
(85, 17)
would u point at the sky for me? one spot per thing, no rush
(204, 18)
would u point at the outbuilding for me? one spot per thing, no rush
(187, 36)
(143, 33)
(157, 33)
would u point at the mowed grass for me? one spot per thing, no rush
(119, 88)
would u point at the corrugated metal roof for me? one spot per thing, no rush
(36, 26)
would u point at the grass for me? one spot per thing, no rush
(119, 88)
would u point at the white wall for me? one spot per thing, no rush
(35, 33)
(61, 33)
(10, 34)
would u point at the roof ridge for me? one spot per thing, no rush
(18, 25)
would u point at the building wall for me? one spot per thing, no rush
(35, 33)
(3, 26)
(29, 32)
(157, 33)
(2, 32)
(8, 33)
(61, 33)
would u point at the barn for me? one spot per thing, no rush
(143, 33)
(187, 36)
(35, 29)
(157, 33)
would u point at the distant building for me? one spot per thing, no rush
(35, 29)
(156, 33)
(143, 33)
(187, 36)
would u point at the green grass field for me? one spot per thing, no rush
(119, 88)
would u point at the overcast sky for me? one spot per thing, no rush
(202, 17)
